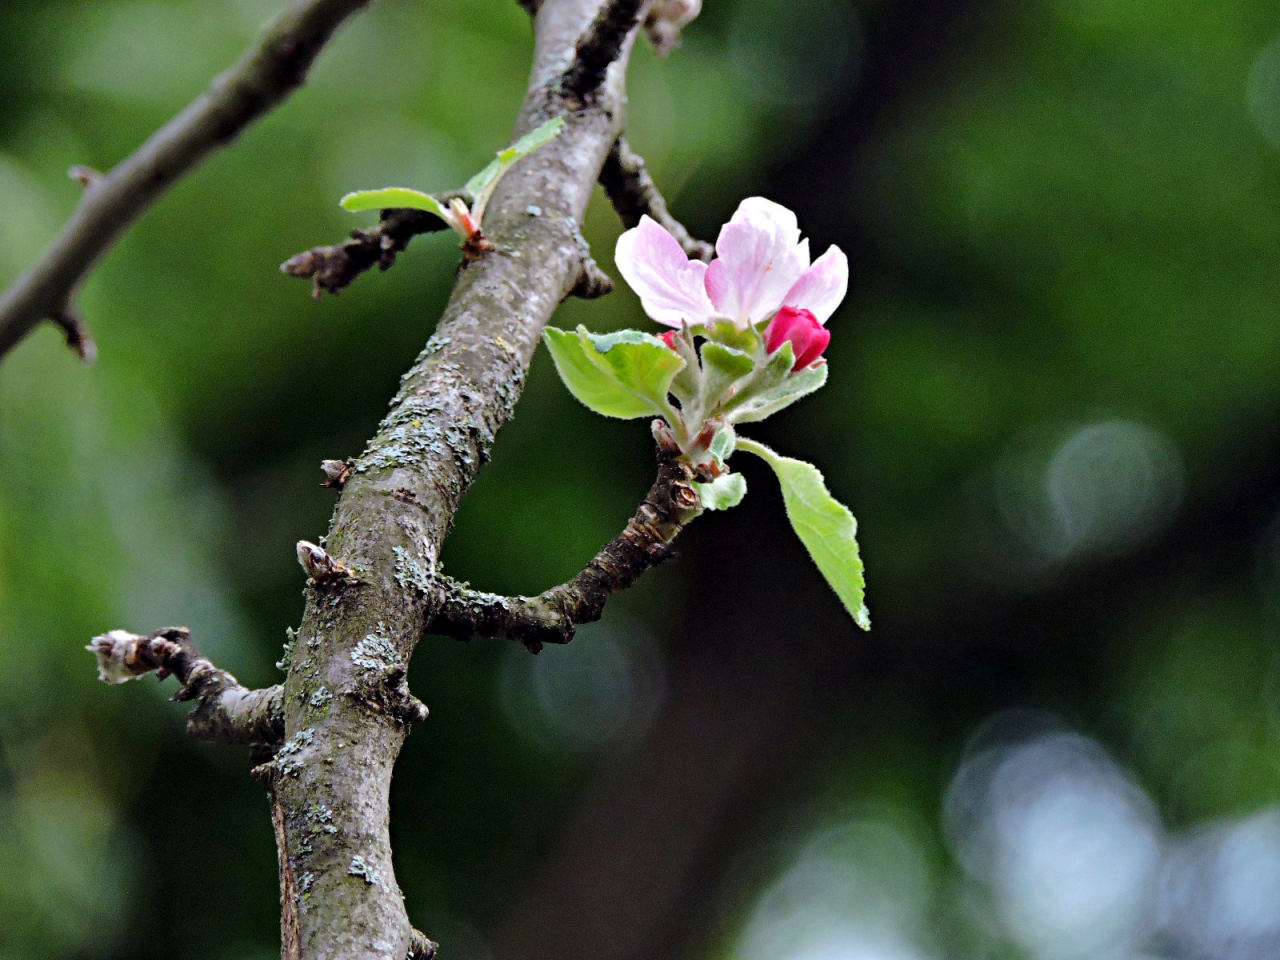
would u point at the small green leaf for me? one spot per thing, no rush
(625, 374)
(482, 185)
(723, 444)
(723, 492)
(824, 525)
(756, 406)
(539, 136)
(722, 367)
(393, 197)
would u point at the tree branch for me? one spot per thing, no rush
(600, 47)
(633, 193)
(225, 711)
(334, 267)
(554, 615)
(397, 505)
(267, 73)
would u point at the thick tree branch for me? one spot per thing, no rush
(397, 505)
(225, 711)
(633, 193)
(267, 73)
(600, 46)
(554, 616)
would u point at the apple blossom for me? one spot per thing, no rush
(761, 266)
(801, 329)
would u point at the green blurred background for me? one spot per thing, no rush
(1054, 406)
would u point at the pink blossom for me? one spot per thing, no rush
(761, 266)
(800, 328)
(669, 338)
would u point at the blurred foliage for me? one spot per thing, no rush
(1054, 401)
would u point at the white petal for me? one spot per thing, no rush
(822, 287)
(671, 287)
(758, 261)
(770, 215)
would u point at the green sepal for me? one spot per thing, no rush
(723, 492)
(395, 197)
(625, 374)
(482, 185)
(824, 525)
(688, 382)
(758, 405)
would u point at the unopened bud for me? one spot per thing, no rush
(117, 653)
(319, 565)
(338, 473)
(808, 338)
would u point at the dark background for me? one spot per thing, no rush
(1054, 406)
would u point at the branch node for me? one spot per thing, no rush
(593, 282)
(337, 473)
(85, 176)
(421, 948)
(77, 335)
(320, 567)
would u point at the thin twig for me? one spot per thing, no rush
(267, 73)
(633, 193)
(225, 711)
(333, 268)
(554, 616)
(600, 47)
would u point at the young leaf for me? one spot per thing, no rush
(722, 367)
(482, 185)
(723, 492)
(757, 406)
(824, 525)
(392, 197)
(625, 374)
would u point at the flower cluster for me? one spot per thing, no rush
(761, 273)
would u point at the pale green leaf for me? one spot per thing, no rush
(722, 367)
(482, 185)
(754, 406)
(625, 374)
(395, 197)
(824, 525)
(723, 492)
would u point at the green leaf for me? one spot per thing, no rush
(393, 197)
(824, 525)
(724, 443)
(723, 492)
(482, 185)
(625, 374)
(722, 367)
(756, 406)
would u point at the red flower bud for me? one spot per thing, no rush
(669, 338)
(808, 338)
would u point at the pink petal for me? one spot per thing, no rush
(759, 257)
(821, 288)
(671, 287)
